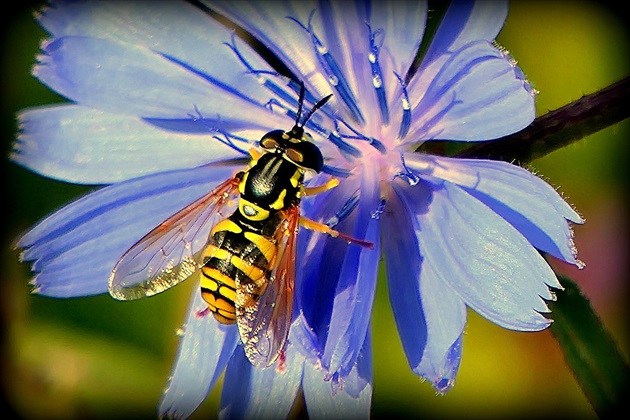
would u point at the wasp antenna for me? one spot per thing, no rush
(300, 104)
(318, 105)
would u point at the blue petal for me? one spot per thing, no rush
(87, 146)
(477, 94)
(204, 352)
(75, 249)
(336, 297)
(465, 21)
(430, 317)
(403, 24)
(329, 44)
(356, 286)
(255, 393)
(174, 29)
(316, 282)
(370, 42)
(132, 79)
(445, 313)
(343, 48)
(304, 340)
(530, 204)
(485, 260)
(352, 400)
(274, 24)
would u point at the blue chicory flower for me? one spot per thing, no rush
(164, 97)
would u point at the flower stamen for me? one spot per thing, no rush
(336, 171)
(344, 211)
(279, 92)
(226, 138)
(377, 144)
(331, 69)
(336, 139)
(377, 74)
(411, 178)
(405, 123)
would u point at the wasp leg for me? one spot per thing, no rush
(319, 227)
(332, 183)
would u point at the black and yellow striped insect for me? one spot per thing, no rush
(246, 262)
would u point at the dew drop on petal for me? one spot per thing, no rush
(333, 80)
(411, 179)
(377, 82)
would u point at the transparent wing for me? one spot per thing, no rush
(168, 254)
(264, 322)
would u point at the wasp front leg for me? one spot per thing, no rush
(255, 154)
(332, 183)
(320, 227)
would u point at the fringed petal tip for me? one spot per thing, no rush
(518, 73)
(478, 94)
(350, 398)
(442, 373)
(36, 288)
(443, 385)
(204, 352)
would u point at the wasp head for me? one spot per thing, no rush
(297, 145)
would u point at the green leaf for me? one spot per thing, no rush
(560, 127)
(589, 350)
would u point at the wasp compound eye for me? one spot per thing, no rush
(294, 155)
(271, 141)
(310, 156)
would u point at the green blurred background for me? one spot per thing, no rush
(96, 357)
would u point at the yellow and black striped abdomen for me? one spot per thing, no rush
(237, 255)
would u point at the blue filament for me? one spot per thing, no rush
(336, 172)
(273, 87)
(228, 139)
(344, 211)
(408, 175)
(335, 139)
(405, 123)
(332, 70)
(376, 214)
(377, 144)
(377, 73)
(209, 78)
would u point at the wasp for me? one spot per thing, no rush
(245, 263)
